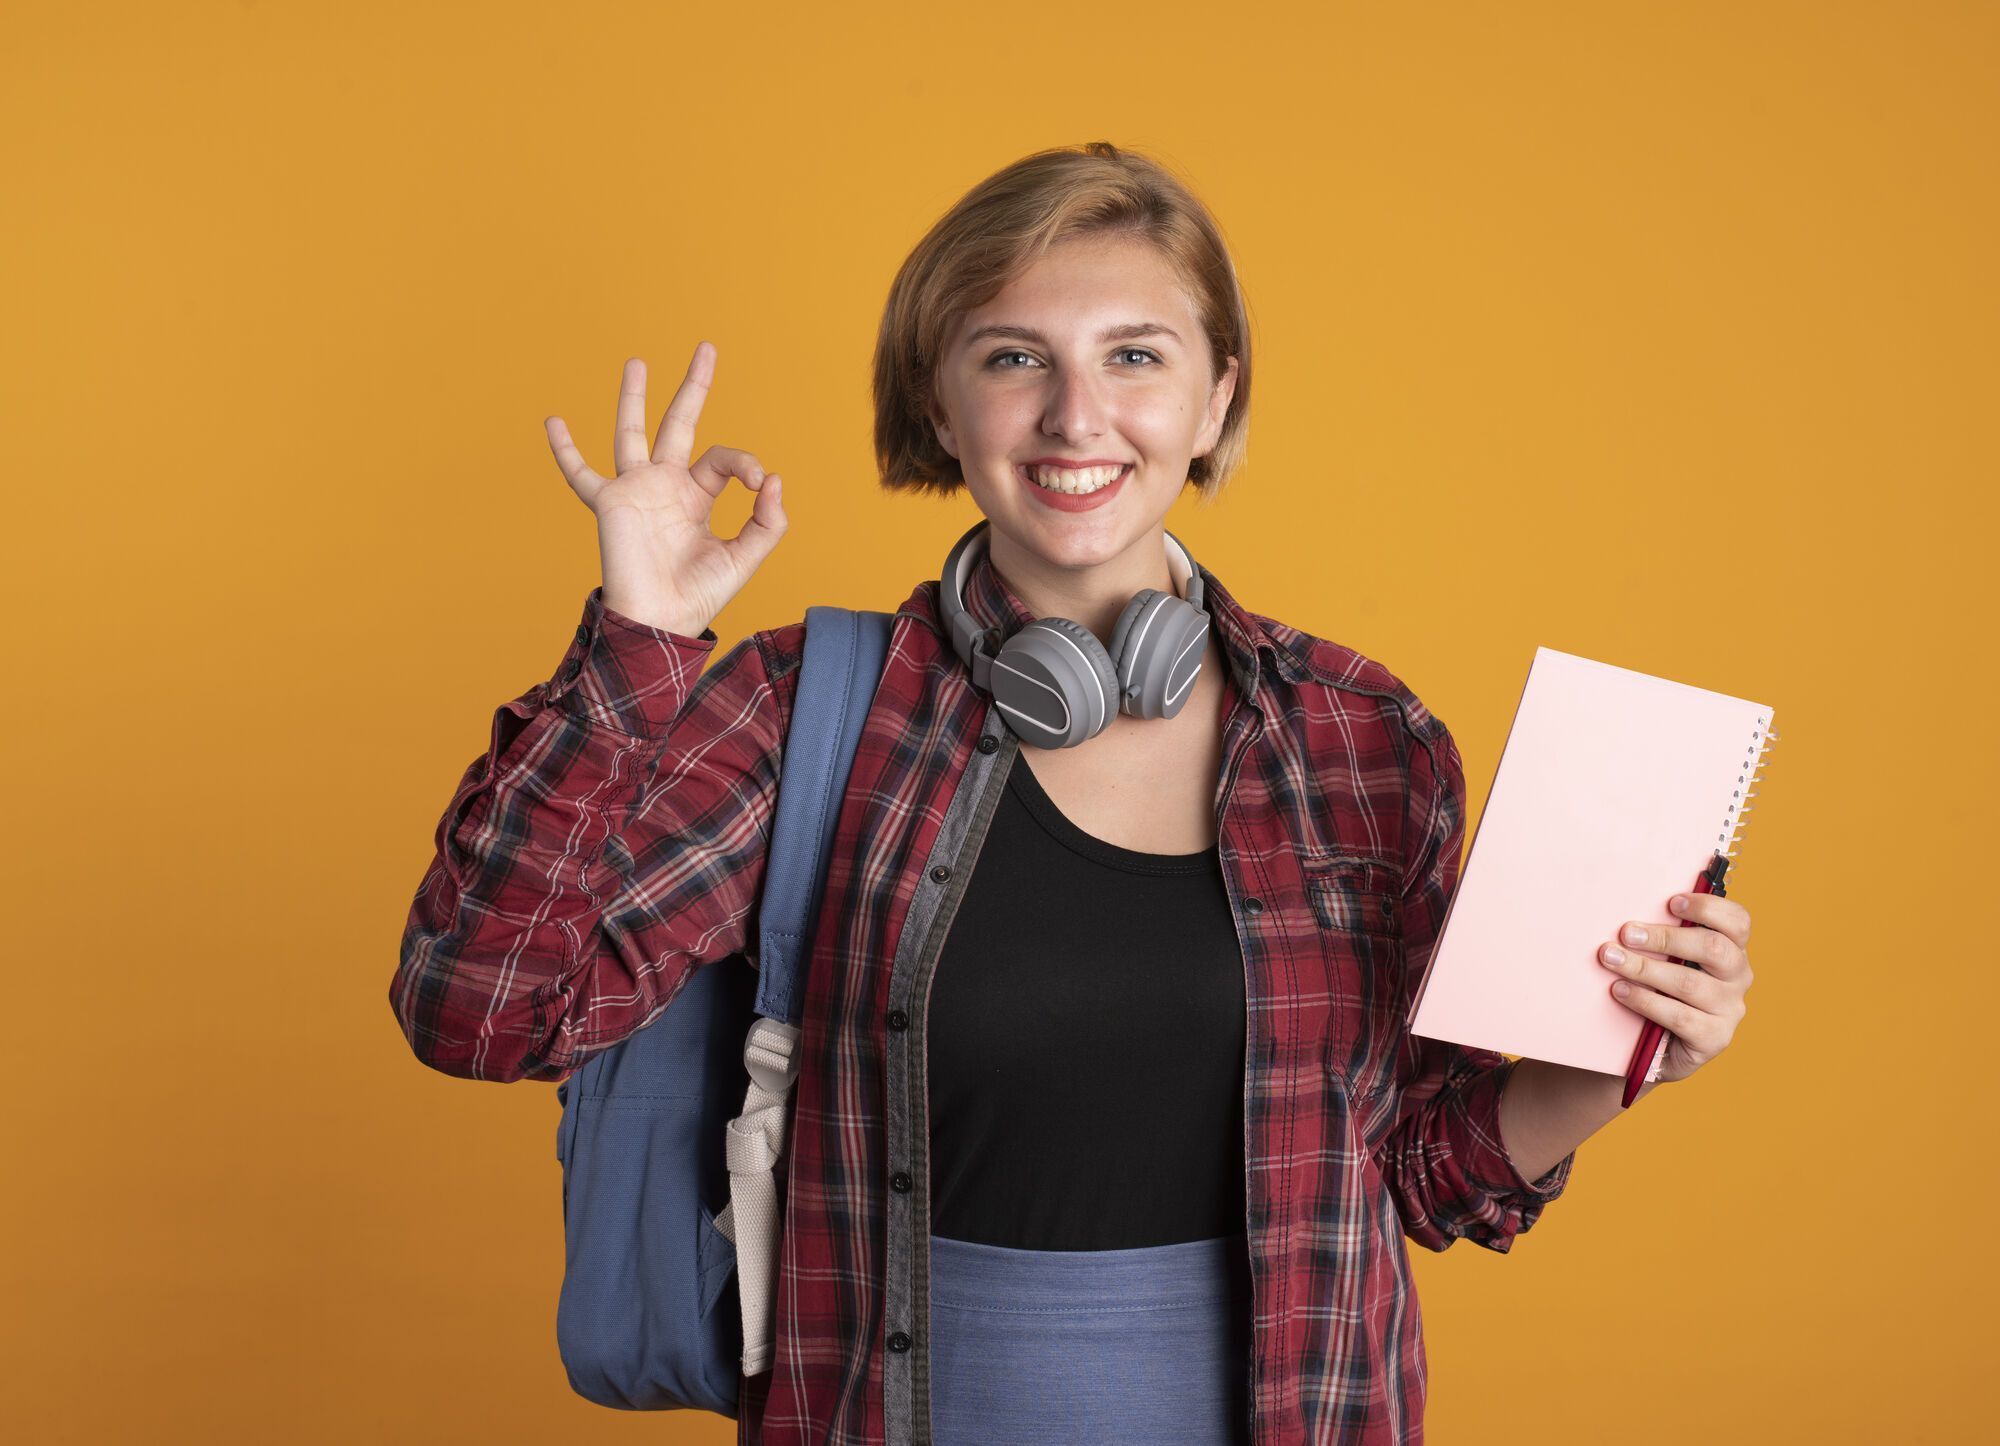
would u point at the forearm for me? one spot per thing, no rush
(1547, 1110)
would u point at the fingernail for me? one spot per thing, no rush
(1613, 954)
(1680, 903)
(1621, 989)
(1635, 934)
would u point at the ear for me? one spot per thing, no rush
(1219, 397)
(942, 427)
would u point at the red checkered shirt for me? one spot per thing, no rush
(612, 840)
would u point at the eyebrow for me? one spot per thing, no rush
(1130, 331)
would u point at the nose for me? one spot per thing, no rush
(1075, 411)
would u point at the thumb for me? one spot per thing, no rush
(767, 524)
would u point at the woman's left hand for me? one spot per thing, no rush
(1699, 1007)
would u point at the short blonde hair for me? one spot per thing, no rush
(996, 231)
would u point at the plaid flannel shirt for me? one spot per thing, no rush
(612, 840)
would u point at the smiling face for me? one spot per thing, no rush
(1093, 354)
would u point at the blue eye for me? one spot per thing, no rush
(997, 357)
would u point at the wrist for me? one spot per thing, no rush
(658, 619)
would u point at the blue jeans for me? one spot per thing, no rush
(1053, 1347)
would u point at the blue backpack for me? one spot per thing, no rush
(657, 1312)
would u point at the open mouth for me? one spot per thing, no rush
(1080, 482)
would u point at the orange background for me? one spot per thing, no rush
(1661, 334)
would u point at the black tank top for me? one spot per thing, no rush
(1086, 1034)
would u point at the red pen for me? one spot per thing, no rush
(1652, 1039)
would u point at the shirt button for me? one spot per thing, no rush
(898, 1019)
(900, 1183)
(898, 1341)
(1253, 905)
(988, 743)
(940, 874)
(582, 633)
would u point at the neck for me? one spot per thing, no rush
(1093, 596)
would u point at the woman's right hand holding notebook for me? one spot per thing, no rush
(663, 566)
(1691, 980)
(1617, 786)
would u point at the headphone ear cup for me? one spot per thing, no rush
(1121, 631)
(1158, 644)
(1055, 684)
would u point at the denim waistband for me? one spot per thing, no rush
(970, 1275)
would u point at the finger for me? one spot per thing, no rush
(1693, 1026)
(628, 437)
(1716, 913)
(676, 440)
(762, 532)
(1694, 986)
(717, 465)
(579, 476)
(1716, 953)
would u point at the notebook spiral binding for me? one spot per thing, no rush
(1756, 758)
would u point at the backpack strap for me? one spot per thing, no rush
(845, 651)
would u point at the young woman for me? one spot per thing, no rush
(1108, 1126)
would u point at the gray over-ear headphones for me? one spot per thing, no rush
(1054, 682)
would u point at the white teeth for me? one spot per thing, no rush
(1075, 483)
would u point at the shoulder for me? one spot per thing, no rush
(781, 651)
(1374, 746)
(1353, 682)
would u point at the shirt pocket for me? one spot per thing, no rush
(1356, 906)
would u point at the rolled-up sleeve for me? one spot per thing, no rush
(1443, 1159)
(609, 842)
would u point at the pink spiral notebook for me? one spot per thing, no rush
(1612, 793)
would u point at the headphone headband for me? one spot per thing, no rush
(1054, 682)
